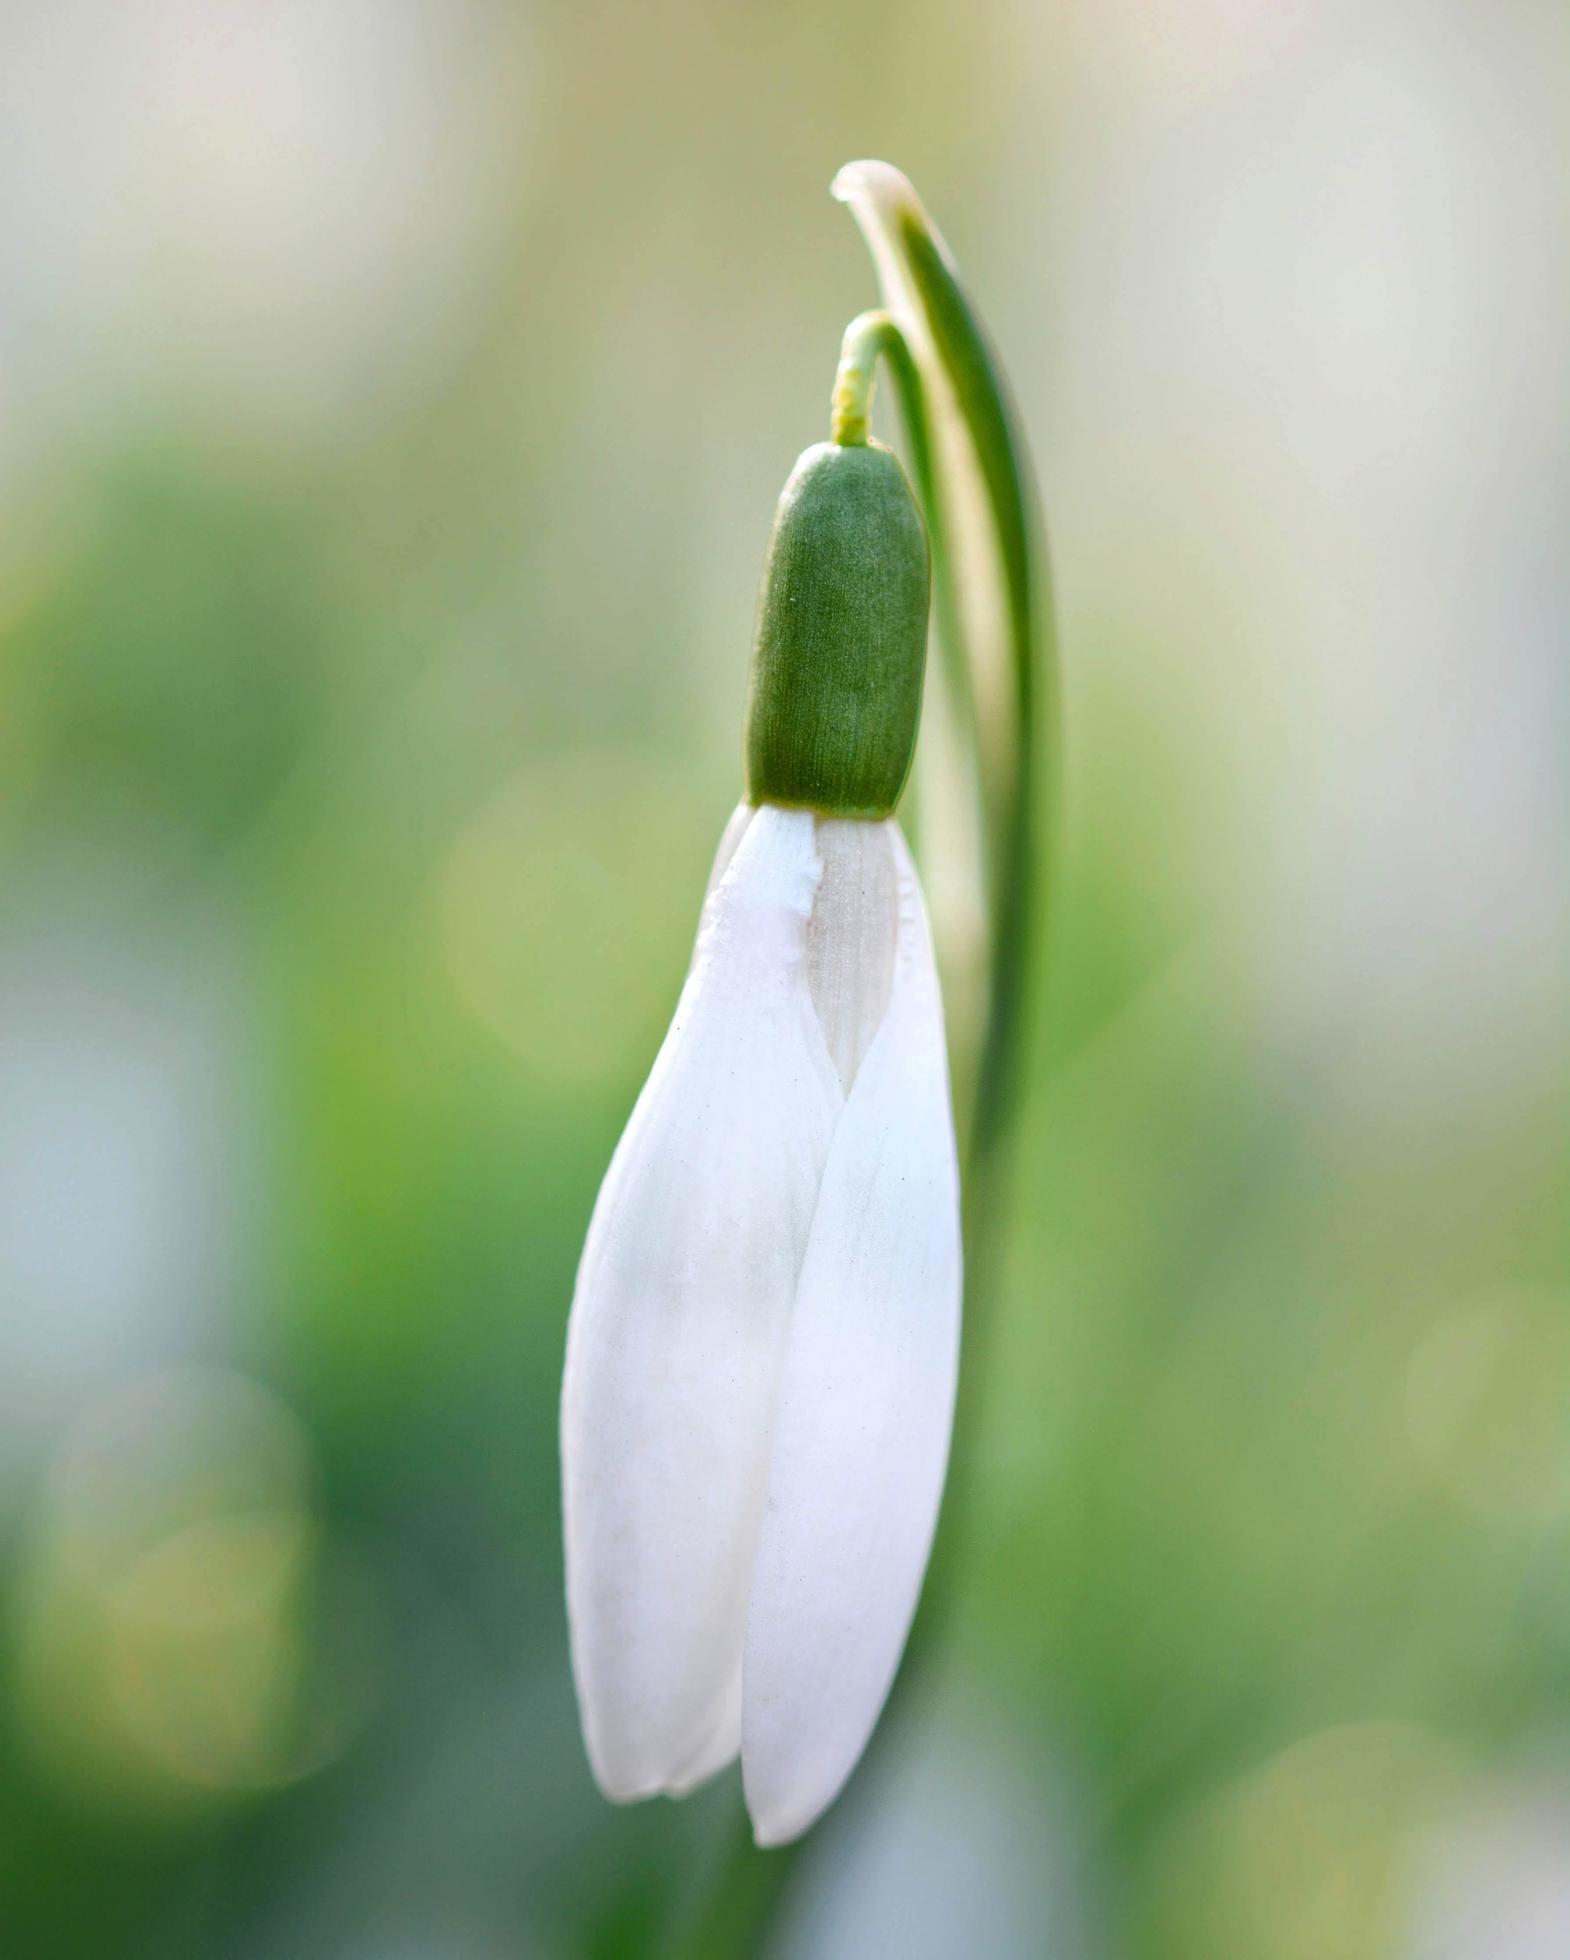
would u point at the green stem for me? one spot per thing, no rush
(743, 1904)
(916, 419)
(850, 409)
(978, 456)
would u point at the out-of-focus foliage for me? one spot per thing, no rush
(395, 401)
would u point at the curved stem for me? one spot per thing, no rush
(850, 411)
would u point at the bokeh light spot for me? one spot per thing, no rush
(1315, 1854)
(1488, 1406)
(564, 898)
(166, 1626)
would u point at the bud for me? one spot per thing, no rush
(841, 638)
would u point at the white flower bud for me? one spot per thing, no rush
(764, 1336)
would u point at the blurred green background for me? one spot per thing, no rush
(394, 397)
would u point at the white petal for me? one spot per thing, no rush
(862, 1429)
(678, 1327)
(735, 830)
(852, 937)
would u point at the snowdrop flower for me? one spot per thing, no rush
(763, 1342)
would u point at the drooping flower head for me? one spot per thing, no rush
(764, 1335)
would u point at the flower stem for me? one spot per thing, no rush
(735, 1917)
(850, 410)
(993, 615)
